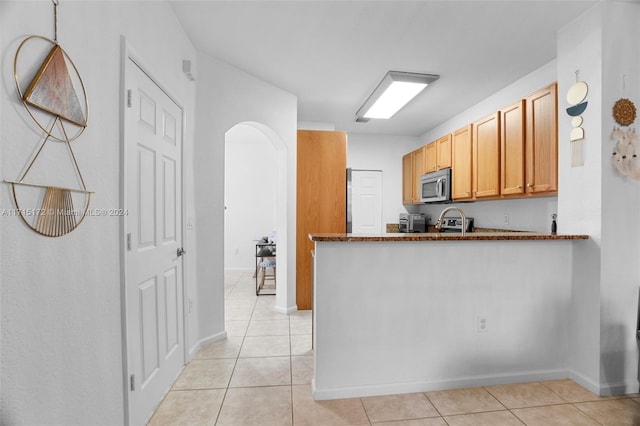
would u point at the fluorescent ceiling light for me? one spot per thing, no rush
(394, 91)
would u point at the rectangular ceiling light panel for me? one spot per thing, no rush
(394, 91)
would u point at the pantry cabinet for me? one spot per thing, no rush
(461, 141)
(541, 146)
(320, 199)
(512, 152)
(486, 157)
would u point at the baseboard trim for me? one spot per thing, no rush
(286, 311)
(206, 341)
(410, 387)
(619, 388)
(604, 389)
(584, 381)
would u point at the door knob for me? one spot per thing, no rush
(181, 252)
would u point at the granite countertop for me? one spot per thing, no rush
(448, 236)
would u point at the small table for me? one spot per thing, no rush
(265, 268)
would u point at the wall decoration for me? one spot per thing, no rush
(56, 100)
(625, 158)
(576, 95)
(624, 112)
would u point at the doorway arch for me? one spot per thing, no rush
(282, 217)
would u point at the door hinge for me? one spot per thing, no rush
(129, 98)
(132, 381)
(129, 241)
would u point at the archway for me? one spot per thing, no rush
(271, 186)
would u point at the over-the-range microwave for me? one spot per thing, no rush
(435, 187)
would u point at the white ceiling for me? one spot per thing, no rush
(332, 54)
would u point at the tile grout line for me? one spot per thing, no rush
(224, 397)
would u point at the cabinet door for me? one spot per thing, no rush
(418, 170)
(512, 137)
(431, 158)
(486, 157)
(407, 179)
(461, 163)
(443, 152)
(542, 141)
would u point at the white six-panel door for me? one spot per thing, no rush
(366, 198)
(153, 231)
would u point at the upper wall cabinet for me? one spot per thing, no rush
(512, 137)
(511, 153)
(413, 167)
(407, 179)
(541, 146)
(430, 157)
(443, 152)
(486, 157)
(461, 163)
(438, 154)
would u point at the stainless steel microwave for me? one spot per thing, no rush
(435, 187)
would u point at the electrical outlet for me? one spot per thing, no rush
(482, 324)
(507, 218)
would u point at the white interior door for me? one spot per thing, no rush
(153, 227)
(366, 199)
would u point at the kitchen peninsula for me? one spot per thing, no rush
(398, 313)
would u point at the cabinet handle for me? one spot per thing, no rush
(529, 185)
(519, 186)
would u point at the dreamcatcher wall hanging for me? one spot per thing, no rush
(625, 157)
(56, 100)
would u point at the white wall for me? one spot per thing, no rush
(603, 44)
(228, 96)
(580, 48)
(62, 360)
(413, 327)
(533, 214)
(620, 206)
(383, 152)
(250, 194)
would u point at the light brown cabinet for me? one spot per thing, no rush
(443, 152)
(512, 138)
(541, 146)
(431, 157)
(321, 199)
(413, 167)
(486, 157)
(511, 153)
(461, 149)
(407, 179)
(438, 154)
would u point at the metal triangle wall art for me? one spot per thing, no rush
(56, 100)
(52, 89)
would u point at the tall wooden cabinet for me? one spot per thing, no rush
(321, 199)
(541, 148)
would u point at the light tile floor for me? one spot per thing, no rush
(261, 375)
